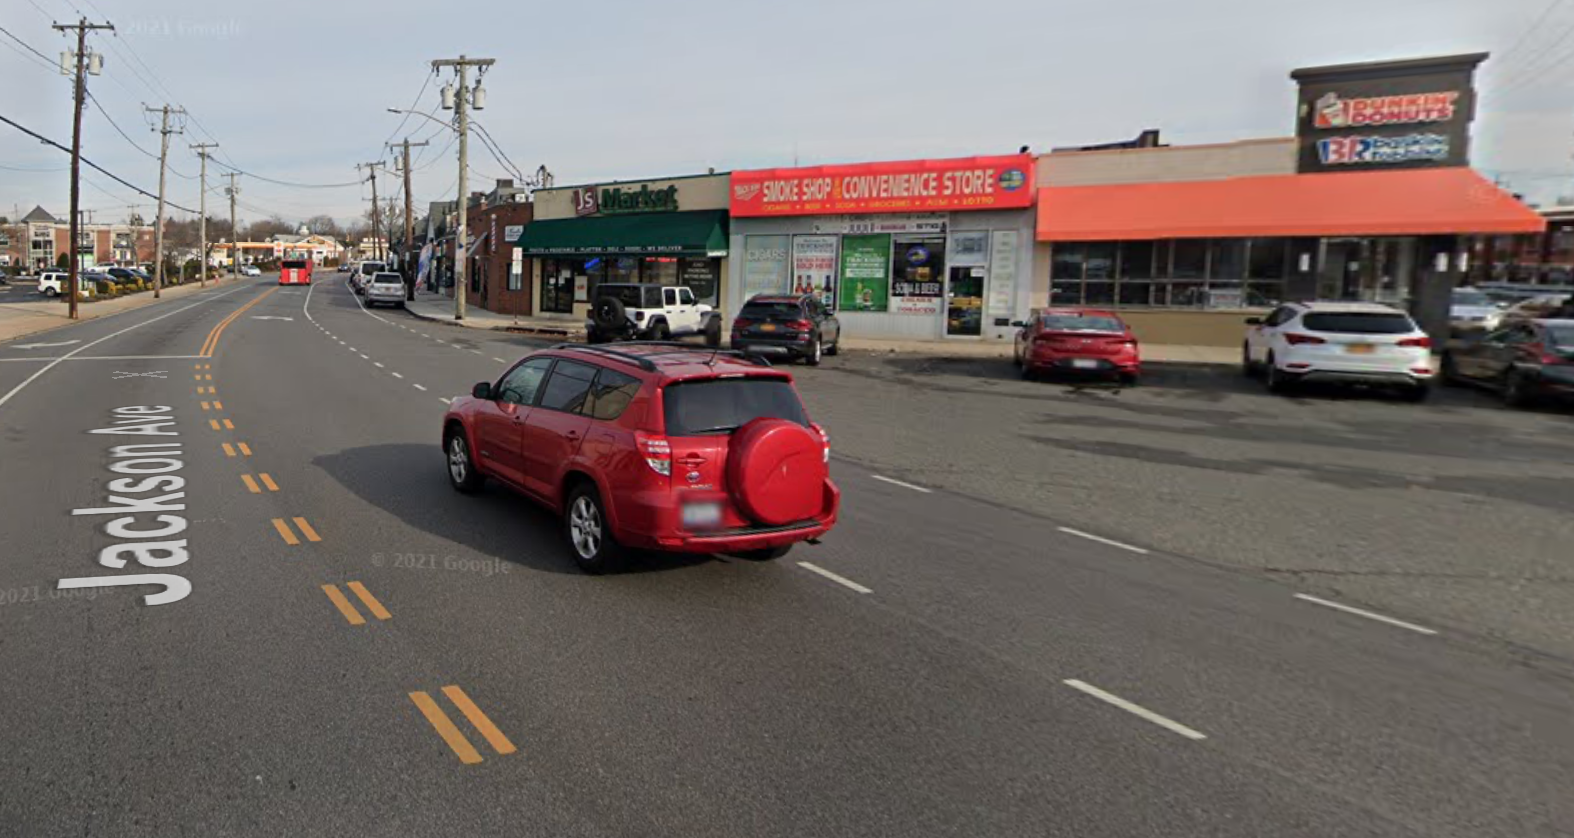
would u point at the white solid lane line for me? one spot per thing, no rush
(1102, 540)
(34, 377)
(840, 580)
(418, 387)
(1367, 614)
(903, 485)
(1135, 709)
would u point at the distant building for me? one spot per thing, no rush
(38, 239)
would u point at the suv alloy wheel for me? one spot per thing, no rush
(815, 352)
(595, 550)
(462, 474)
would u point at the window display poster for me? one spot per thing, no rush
(969, 249)
(917, 285)
(1002, 273)
(701, 277)
(581, 288)
(814, 267)
(866, 273)
(765, 265)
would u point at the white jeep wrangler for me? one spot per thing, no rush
(645, 311)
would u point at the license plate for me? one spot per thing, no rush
(1360, 348)
(767, 327)
(1085, 363)
(701, 515)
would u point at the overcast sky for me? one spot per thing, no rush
(601, 89)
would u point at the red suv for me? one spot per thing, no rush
(650, 446)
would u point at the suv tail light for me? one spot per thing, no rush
(657, 451)
(801, 326)
(740, 324)
(639, 315)
(824, 436)
(1417, 343)
(1297, 339)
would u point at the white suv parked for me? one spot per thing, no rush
(55, 283)
(1350, 343)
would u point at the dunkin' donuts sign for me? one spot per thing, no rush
(969, 183)
(1403, 114)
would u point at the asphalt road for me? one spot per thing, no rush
(975, 665)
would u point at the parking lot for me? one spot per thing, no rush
(1453, 513)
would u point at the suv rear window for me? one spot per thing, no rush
(292, 263)
(369, 268)
(633, 296)
(721, 405)
(772, 311)
(1359, 323)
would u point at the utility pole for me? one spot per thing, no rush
(233, 190)
(457, 100)
(409, 223)
(202, 225)
(377, 210)
(91, 63)
(163, 159)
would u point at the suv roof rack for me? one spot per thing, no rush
(646, 364)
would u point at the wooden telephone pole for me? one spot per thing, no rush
(461, 100)
(202, 225)
(93, 64)
(409, 219)
(233, 190)
(163, 161)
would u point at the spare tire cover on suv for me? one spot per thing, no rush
(609, 313)
(776, 470)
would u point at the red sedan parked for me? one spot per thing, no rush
(1080, 342)
(656, 446)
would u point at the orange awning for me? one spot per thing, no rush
(1406, 202)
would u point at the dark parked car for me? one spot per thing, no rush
(796, 325)
(1525, 361)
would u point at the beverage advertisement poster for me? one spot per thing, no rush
(866, 273)
(917, 276)
(1002, 273)
(814, 267)
(765, 265)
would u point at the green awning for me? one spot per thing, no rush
(693, 233)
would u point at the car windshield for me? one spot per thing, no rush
(370, 268)
(1080, 323)
(388, 279)
(289, 264)
(1359, 322)
(721, 405)
(1472, 298)
(772, 310)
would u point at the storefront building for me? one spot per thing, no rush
(497, 271)
(1372, 200)
(918, 249)
(669, 231)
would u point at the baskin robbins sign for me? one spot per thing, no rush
(950, 185)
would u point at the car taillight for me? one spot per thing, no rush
(825, 437)
(740, 324)
(657, 451)
(800, 326)
(1297, 339)
(1417, 343)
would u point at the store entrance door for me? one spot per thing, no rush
(964, 309)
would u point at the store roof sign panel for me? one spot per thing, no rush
(950, 185)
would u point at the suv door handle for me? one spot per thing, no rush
(572, 434)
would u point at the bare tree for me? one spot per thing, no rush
(261, 230)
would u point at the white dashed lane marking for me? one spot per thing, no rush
(894, 482)
(397, 375)
(418, 387)
(1103, 540)
(1370, 615)
(838, 579)
(1134, 709)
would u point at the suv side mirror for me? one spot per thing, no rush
(482, 391)
(1254, 321)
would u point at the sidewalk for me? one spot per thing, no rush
(26, 317)
(440, 309)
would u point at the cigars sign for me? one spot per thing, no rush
(968, 183)
(1383, 115)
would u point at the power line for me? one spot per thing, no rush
(67, 149)
(496, 151)
(1534, 27)
(238, 170)
(47, 62)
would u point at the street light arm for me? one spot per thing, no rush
(427, 115)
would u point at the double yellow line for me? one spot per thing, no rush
(449, 732)
(213, 337)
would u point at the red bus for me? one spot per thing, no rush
(295, 272)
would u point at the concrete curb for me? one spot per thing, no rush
(564, 332)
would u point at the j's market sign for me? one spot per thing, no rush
(967, 183)
(614, 200)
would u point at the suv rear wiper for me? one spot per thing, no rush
(714, 430)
